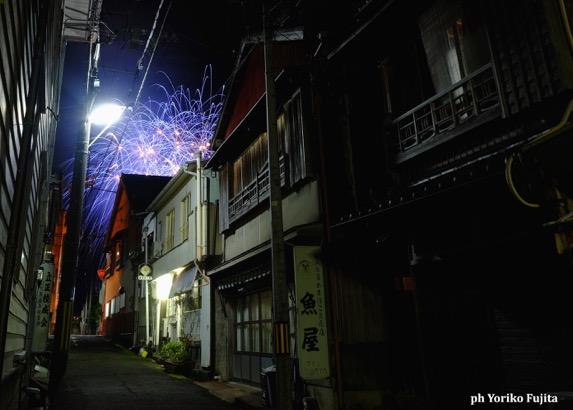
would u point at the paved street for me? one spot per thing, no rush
(101, 375)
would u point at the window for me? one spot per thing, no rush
(245, 169)
(292, 138)
(244, 182)
(160, 249)
(169, 230)
(172, 306)
(454, 40)
(254, 323)
(251, 162)
(118, 255)
(192, 299)
(185, 211)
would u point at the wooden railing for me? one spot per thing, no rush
(255, 192)
(465, 101)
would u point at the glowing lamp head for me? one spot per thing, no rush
(106, 114)
(163, 286)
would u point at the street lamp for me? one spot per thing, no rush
(106, 115)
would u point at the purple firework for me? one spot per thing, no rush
(155, 138)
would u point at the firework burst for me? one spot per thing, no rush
(155, 138)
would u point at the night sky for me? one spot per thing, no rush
(196, 34)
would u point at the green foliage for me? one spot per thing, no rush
(95, 316)
(174, 352)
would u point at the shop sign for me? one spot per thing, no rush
(42, 314)
(312, 336)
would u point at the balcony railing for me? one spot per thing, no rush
(255, 192)
(456, 109)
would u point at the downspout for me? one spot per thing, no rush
(199, 217)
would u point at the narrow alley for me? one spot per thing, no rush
(102, 375)
(286, 204)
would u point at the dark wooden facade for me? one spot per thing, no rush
(443, 283)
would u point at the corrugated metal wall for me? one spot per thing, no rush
(30, 72)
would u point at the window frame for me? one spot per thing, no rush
(170, 230)
(185, 207)
(259, 322)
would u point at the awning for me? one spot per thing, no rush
(183, 282)
(243, 278)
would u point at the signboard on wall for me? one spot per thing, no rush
(42, 314)
(311, 332)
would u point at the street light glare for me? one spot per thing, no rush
(163, 286)
(106, 114)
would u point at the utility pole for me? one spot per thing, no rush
(281, 352)
(72, 239)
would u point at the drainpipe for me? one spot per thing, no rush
(158, 316)
(199, 220)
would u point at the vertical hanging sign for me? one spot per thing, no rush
(312, 337)
(42, 319)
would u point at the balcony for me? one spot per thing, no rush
(255, 192)
(465, 105)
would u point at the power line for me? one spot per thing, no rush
(153, 51)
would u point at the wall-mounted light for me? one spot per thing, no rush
(163, 286)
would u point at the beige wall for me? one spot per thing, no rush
(299, 208)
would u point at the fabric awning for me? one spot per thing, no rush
(183, 282)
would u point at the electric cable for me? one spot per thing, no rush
(152, 51)
(511, 184)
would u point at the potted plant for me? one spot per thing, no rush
(175, 357)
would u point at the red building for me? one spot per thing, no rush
(134, 194)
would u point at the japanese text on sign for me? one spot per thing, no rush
(312, 337)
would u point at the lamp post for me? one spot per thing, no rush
(145, 270)
(104, 115)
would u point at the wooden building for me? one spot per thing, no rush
(242, 281)
(446, 185)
